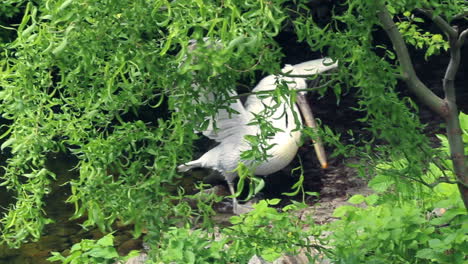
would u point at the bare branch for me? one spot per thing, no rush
(460, 16)
(455, 44)
(437, 162)
(439, 180)
(440, 22)
(453, 128)
(446, 180)
(265, 92)
(305, 75)
(462, 37)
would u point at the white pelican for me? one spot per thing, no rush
(232, 128)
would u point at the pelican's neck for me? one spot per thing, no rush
(279, 114)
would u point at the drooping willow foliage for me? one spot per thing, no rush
(80, 73)
(77, 67)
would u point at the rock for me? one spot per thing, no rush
(140, 259)
(6, 252)
(128, 246)
(21, 260)
(300, 258)
(58, 243)
(257, 260)
(64, 230)
(120, 238)
(30, 250)
(66, 252)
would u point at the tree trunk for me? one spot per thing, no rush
(446, 107)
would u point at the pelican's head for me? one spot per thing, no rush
(307, 69)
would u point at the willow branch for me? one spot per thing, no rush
(462, 37)
(306, 75)
(409, 75)
(460, 16)
(265, 92)
(456, 43)
(439, 180)
(440, 22)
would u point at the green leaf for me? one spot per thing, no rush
(189, 257)
(343, 211)
(356, 199)
(104, 252)
(260, 184)
(76, 247)
(269, 254)
(437, 37)
(7, 143)
(56, 256)
(131, 254)
(273, 201)
(372, 199)
(436, 244)
(383, 235)
(426, 253)
(380, 183)
(313, 194)
(57, 50)
(235, 220)
(105, 241)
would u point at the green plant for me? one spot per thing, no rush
(419, 38)
(270, 233)
(77, 80)
(183, 245)
(406, 221)
(398, 233)
(265, 232)
(92, 251)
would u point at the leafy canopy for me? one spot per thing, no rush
(111, 83)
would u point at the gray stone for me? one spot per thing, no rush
(140, 259)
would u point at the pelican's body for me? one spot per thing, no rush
(232, 128)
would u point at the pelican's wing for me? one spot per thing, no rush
(226, 124)
(256, 104)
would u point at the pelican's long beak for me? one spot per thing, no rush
(310, 122)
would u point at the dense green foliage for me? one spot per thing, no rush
(406, 233)
(92, 251)
(76, 68)
(394, 227)
(111, 84)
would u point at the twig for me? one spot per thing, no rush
(440, 22)
(305, 75)
(251, 67)
(269, 91)
(430, 185)
(460, 16)
(436, 162)
(462, 37)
